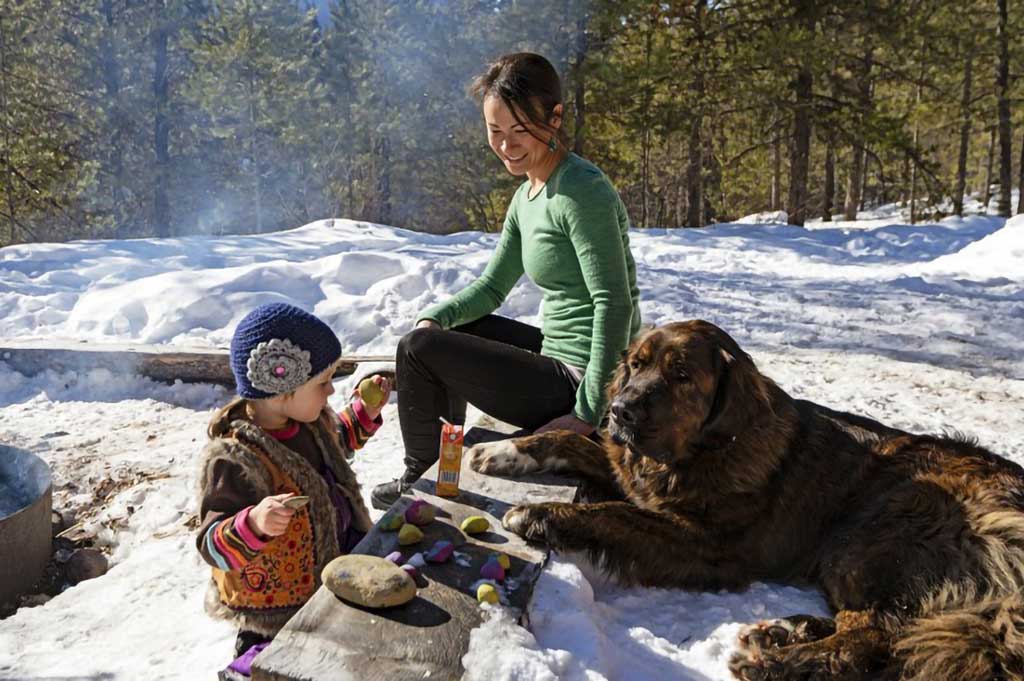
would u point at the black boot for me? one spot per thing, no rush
(387, 493)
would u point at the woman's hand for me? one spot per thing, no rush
(270, 517)
(385, 387)
(427, 324)
(567, 422)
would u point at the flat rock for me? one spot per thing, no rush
(370, 581)
(85, 564)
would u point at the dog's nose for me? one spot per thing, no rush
(623, 413)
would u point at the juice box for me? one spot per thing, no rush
(449, 464)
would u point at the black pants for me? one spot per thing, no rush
(492, 363)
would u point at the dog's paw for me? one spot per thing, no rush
(500, 458)
(528, 521)
(787, 631)
(752, 665)
(766, 635)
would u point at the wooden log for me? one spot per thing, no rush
(427, 637)
(166, 363)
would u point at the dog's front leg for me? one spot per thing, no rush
(636, 545)
(557, 451)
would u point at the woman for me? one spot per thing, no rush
(567, 229)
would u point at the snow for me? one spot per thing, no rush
(920, 326)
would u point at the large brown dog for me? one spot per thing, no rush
(917, 541)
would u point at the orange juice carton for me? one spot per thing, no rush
(449, 464)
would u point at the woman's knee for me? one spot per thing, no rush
(418, 342)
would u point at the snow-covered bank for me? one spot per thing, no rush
(909, 292)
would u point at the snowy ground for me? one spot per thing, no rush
(918, 326)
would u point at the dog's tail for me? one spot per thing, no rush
(964, 635)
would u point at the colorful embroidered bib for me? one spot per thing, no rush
(281, 576)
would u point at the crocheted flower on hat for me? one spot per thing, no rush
(277, 366)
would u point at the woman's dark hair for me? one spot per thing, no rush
(528, 85)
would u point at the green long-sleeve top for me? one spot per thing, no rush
(572, 240)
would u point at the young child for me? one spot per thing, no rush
(275, 440)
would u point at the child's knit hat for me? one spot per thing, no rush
(278, 347)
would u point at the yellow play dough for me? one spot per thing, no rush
(475, 524)
(409, 534)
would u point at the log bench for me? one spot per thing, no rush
(166, 363)
(332, 640)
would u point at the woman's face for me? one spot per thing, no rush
(511, 140)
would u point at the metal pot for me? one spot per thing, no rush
(26, 499)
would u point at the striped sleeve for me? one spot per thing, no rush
(231, 544)
(356, 425)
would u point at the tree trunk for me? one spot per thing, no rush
(161, 127)
(965, 137)
(112, 83)
(681, 186)
(830, 182)
(254, 152)
(712, 183)
(855, 179)
(800, 147)
(800, 150)
(1003, 106)
(694, 177)
(645, 148)
(5, 156)
(1020, 180)
(695, 157)
(382, 200)
(776, 198)
(853, 183)
(253, 137)
(864, 167)
(579, 100)
(913, 168)
(988, 171)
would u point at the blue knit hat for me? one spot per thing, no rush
(278, 347)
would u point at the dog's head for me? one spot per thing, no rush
(680, 384)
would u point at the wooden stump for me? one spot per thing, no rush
(427, 637)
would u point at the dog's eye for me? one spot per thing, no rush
(633, 364)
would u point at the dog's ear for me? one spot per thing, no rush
(619, 378)
(741, 393)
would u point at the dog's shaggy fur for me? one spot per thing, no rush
(724, 479)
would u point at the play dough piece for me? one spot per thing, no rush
(492, 570)
(420, 513)
(392, 521)
(440, 552)
(409, 534)
(475, 524)
(486, 593)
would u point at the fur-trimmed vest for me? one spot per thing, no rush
(263, 595)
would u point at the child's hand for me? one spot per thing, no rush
(385, 387)
(270, 517)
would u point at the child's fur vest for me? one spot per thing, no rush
(262, 596)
